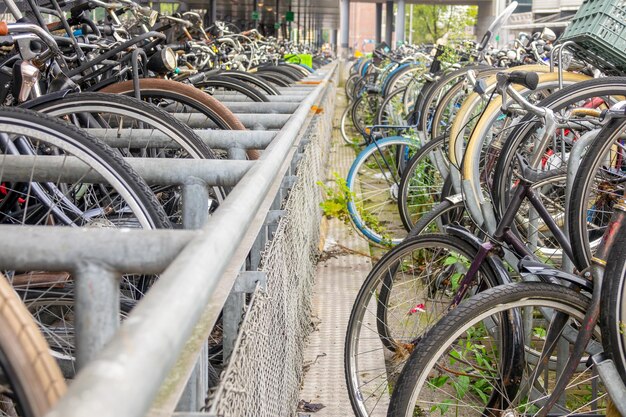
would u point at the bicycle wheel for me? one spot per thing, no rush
(177, 98)
(421, 182)
(598, 186)
(392, 110)
(596, 93)
(407, 291)
(374, 181)
(349, 134)
(53, 311)
(119, 197)
(351, 82)
(364, 111)
(250, 79)
(275, 78)
(613, 315)
(147, 131)
(31, 380)
(450, 211)
(225, 83)
(474, 361)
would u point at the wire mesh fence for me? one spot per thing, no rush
(264, 373)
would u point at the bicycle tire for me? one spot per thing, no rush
(32, 372)
(364, 110)
(87, 108)
(276, 78)
(443, 214)
(350, 85)
(387, 109)
(286, 72)
(367, 223)
(374, 300)
(420, 164)
(580, 208)
(612, 315)
(87, 101)
(413, 381)
(189, 95)
(250, 79)
(231, 84)
(135, 192)
(345, 129)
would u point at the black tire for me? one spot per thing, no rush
(443, 214)
(231, 84)
(364, 110)
(96, 154)
(349, 133)
(278, 79)
(440, 94)
(507, 160)
(612, 315)
(377, 292)
(286, 72)
(604, 196)
(351, 82)
(113, 111)
(498, 312)
(412, 183)
(388, 109)
(189, 97)
(251, 79)
(177, 131)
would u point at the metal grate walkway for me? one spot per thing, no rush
(341, 271)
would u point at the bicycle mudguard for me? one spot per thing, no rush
(528, 266)
(492, 259)
(57, 95)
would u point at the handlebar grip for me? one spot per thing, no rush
(196, 78)
(527, 79)
(4, 29)
(184, 46)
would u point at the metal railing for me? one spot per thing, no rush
(144, 365)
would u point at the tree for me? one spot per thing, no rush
(431, 22)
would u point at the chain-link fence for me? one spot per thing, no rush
(264, 373)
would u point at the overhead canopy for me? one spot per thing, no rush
(324, 12)
(321, 13)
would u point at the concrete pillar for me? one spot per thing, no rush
(304, 26)
(298, 27)
(213, 11)
(277, 18)
(255, 9)
(400, 19)
(345, 27)
(379, 22)
(389, 23)
(311, 33)
(333, 39)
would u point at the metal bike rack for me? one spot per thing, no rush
(144, 365)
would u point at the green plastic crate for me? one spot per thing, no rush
(599, 31)
(306, 59)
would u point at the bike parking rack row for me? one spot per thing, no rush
(155, 362)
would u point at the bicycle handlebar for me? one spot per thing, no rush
(6, 28)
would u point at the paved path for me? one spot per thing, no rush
(338, 280)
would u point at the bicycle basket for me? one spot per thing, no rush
(599, 33)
